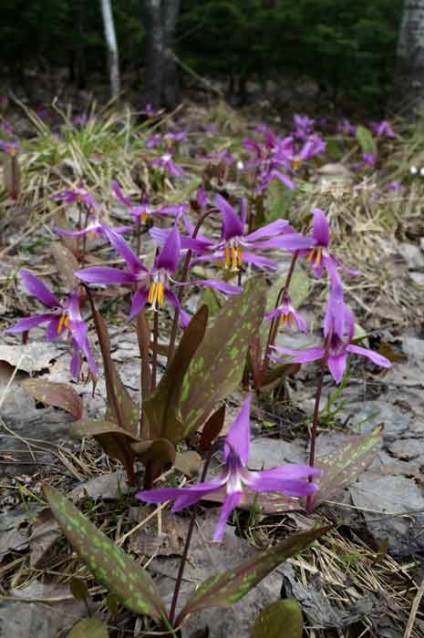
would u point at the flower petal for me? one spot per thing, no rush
(230, 503)
(238, 437)
(232, 226)
(36, 287)
(376, 358)
(29, 322)
(138, 302)
(222, 286)
(184, 317)
(291, 487)
(274, 228)
(105, 275)
(337, 366)
(169, 255)
(120, 245)
(302, 356)
(193, 494)
(256, 260)
(321, 227)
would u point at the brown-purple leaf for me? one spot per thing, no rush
(344, 465)
(60, 395)
(217, 368)
(162, 408)
(222, 590)
(109, 564)
(212, 428)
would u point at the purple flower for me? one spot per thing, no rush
(166, 162)
(143, 211)
(345, 126)
(10, 148)
(382, 129)
(319, 255)
(338, 333)
(289, 317)
(94, 227)
(235, 476)
(76, 195)
(235, 247)
(369, 158)
(154, 285)
(62, 318)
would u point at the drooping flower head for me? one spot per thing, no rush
(167, 163)
(94, 227)
(144, 210)
(289, 317)
(235, 477)
(63, 318)
(78, 195)
(236, 247)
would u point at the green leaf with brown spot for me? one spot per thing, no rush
(162, 408)
(283, 613)
(222, 590)
(109, 564)
(217, 368)
(345, 464)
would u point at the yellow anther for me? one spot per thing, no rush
(156, 294)
(160, 293)
(315, 255)
(296, 163)
(63, 324)
(152, 293)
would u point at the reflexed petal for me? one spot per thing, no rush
(52, 330)
(222, 286)
(376, 358)
(75, 365)
(321, 228)
(169, 254)
(30, 322)
(292, 241)
(232, 226)
(290, 471)
(159, 495)
(238, 437)
(302, 356)
(138, 302)
(191, 495)
(65, 232)
(184, 317)
(36, 287)
(230, 503)
(120, 195)
(120, 245)
(283, 178)
(275, 228)
(256, 260)
(291, 487)
(105, 275)
(337, 366)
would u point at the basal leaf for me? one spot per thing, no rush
(60, 395)
(115, 441)
(212, 428)
(222, 590)
(345, 464)
(120, 406)
(217, 368)
(283, 613)
(162, 408)
(89, 628)
(109, 564)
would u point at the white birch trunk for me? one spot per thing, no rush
(112, 48)
(409, 81)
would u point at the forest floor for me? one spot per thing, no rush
(366, 576)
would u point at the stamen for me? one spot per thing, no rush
(63, 324)
(152, 293)
(160, 293)
(227, 257)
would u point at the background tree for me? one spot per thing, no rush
(161, 74)
(112, 47)
(409, 82)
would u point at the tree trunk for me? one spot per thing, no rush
(409, 79)
(112, 48)
(161, 77)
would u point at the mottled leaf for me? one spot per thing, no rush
(365, 139)
(89, 628)
(222, 590)
(120, 406)
(278, 201)
(217, 368)
(66, 264)
(283, 613)
(162, 408)
(109, 564)
(60, 395)
(345, 464)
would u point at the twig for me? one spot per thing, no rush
(414, 611)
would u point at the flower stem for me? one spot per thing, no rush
(314, 427)
(155, 349)
(273, 329)
(183, 279)
(187, 542)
